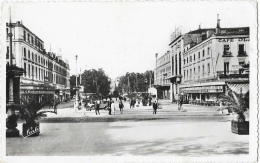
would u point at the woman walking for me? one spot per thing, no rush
(113, 108)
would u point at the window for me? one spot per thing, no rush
(29, 70)
(199, 70)
(208, 50)
(187, 60)
(32, 41)
(39, 73)
(36, 73)
(203, 53)
(226, 68)
(208, 68)
(241, 70)
(194, 57)
(241, 49)
(187, 74)
(184, 62)
(24, 52)
(190, 58)
(32, 71)
(35, 58)
(184, 73)
(29, 56)
(190, 73)
(24, 35)
(226, 49)
(39, 60)
(24, 66)
(28, 38)
(203, 70)
(199, 55)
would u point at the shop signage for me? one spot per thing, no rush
(204, 89)
(26, 91)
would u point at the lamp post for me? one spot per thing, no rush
(77, 93)
(155, 81)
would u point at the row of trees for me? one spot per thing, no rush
(96, 81)
(135, 82)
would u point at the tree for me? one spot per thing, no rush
(96, 81)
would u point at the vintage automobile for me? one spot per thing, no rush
(104, 105)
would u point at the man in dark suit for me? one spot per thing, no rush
(155, 106)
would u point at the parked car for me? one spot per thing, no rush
(104, 104)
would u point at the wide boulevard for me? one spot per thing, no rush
(199, 131)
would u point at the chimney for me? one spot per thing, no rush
(21, 22)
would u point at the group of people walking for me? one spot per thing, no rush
(112, 106)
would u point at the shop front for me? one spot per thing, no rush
(40, 93)
(163, 91)
(203, 93)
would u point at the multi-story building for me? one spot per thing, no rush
(163, 71)
(215, 64)
(43, 72)
(206, 62)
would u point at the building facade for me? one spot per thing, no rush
(215, 64)
(204, 63)
(44, 73)
(163, 71)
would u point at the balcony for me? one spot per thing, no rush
(227, 54)
(242, 54)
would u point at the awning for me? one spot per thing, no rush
(239, 88)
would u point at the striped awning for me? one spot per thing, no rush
(239, 88)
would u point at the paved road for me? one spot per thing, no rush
(198, 132)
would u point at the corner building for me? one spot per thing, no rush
(44, 73)
(214, 64)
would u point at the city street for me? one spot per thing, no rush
(137, 132)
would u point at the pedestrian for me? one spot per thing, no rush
(130, 102)
(180, 102)
(113, 108)
(97, 103)
(121, 106)
(155, 106)
(110, 106)
(55, 104)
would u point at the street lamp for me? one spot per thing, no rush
(77, 99)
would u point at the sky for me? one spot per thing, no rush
(122, 37)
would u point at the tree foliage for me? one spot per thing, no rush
(135, 82)
(95, 81)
